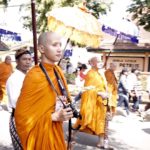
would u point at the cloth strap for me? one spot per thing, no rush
(64, 92)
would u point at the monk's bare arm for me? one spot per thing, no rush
(62, 115)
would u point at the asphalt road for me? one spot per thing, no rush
(126, 133)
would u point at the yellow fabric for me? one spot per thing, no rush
(33, 112)
(92, 108)
(5, 72)
(75, 24)
(112, 87)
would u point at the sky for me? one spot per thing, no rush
(11, 18)
(118, 9)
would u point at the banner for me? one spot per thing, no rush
(9, 35)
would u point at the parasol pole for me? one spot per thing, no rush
(34, 31)
(64, 49)
(114, 43)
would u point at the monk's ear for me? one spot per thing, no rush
(41, 49)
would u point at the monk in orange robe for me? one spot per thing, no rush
(93, 109)
(6, 70)
(38, 118)
(112, 87)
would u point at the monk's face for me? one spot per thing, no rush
(8, 60)
(97, 63)
(52, 49)
(24, 62)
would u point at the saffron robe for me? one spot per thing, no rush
(34, 108)
(93, 109)
(112, 87)
(5, 71)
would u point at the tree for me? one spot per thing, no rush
(44, 6)
(4, 2)
(140, 10)
(98, 7)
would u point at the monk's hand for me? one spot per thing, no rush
(63, 98)
(59, 105)
(104, 95)
(62, 115)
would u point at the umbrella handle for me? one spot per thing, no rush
(104, 66)
(68, 40)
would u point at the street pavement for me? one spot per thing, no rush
(126, 133)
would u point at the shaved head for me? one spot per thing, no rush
(113, 66)
(7, 59)
(46, 37)
(96, 62)
(49, 45)
(43, 38)
(92, 60)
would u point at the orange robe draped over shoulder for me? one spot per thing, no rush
(33, 112)
(112, 87)
(5, 71)
(92, 109)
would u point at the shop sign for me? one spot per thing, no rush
(126, 62)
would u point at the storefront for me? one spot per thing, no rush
(126, 56)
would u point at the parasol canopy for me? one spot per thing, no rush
(122, 28)
(76, 24)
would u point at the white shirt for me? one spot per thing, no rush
(13, 87)
(131, 81)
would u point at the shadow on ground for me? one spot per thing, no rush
(2, 147)
(147, 130)
(88, 142)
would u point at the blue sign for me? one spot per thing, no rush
(120, 35)
(10, 35)
(68, 53)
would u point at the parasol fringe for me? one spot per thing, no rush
(87, 39)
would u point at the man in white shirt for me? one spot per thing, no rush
(14, 85)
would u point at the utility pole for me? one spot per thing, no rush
(34, 31)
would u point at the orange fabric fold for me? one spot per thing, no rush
(112, 87)
(5, 71)
(33, 112)
(92, 108)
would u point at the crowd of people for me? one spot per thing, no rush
(38, 96)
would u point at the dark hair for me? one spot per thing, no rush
(83, 66)
(123, 71)
(133, 70)
(21, 52)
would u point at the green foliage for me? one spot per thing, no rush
(4, 2)
(44, 6)
(98, 7)
(70, 3)
(141, 13)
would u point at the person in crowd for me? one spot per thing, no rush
(135, 88)
(131, 81)
(93, 109)
(63, 65)
(123, 90)
(82, 73)
(14, 85)
(112, 87)
(38, 115)
(69, 72)
(136, 93)
(6, 70)
(145, 112)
